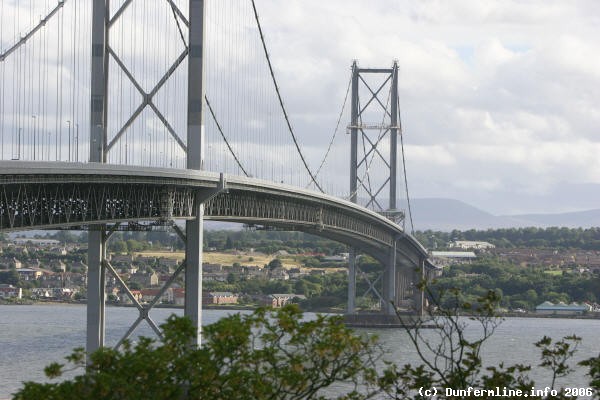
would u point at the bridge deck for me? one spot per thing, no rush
(39, 195)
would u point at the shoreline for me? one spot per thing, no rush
(254, 307)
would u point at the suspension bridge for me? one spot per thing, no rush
(132, 114)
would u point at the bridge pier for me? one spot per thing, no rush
(351, 282)
(193, 271)
(389, 283)
(96, 293)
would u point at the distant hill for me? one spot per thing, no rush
(447, 214)
(579, 219)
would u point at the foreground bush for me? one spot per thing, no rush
(265, 355)
(276, 355)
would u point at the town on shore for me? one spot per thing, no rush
(249, 269)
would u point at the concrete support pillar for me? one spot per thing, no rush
(389, 282)
(351, 282)
(394, 131)
(96, 241)
(354, 109)
(195, 160)
(418, 294)
(99, 78)
(95, 291)
(193, 271)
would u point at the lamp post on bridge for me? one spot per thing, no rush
(69, 136)
(34, 142)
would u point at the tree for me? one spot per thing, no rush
(275, 263)
(10, 277)
(229, 243)
(118, 246)
(277, 355)
(266, 355)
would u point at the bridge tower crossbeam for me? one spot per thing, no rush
(100, 146)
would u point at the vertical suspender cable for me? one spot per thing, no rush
(281, 101)
(2, 84)
(412, 227)
(61, 42)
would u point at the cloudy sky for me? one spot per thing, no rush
(500, 99)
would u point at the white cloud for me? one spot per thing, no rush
(496, 96)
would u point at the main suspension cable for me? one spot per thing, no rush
(212, 113)
(29, 34)
(287, 120)
(335, 131)
(412, 227)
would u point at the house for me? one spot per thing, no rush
(131, 269)
(549, 308)
(145, 279)
(10, 262)
(280, 300)
(148, 295)
(211, 268)
(41, 293)
(145, 260)
(336, 258)
(59, 251)
(279, 274)
(125, 299)
(220, 276)
(79, 266)
(254, 271)
(58, 265)
(35, 263)
(219, 298)
(168, 262)
(178, 296)
(234, 269)
(295, 273)
(10, 292)
(29, 274)
(121, 259)
(36, 242)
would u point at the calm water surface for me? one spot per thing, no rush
(33, 336)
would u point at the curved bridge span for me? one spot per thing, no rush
(46, 195)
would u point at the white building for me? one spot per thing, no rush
(9, 291)
(471, 244)
(38, 242)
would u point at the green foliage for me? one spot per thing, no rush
(520, 287)
(10, 277)
(278, 355)
(453, 359)
(266, 355)
(275, 263)
(562, 238)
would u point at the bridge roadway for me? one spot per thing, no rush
(46, 195)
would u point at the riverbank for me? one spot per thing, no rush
(251, 307)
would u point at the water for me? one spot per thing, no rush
(33, 336)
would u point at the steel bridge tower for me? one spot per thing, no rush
(98, 265)
(397, 284)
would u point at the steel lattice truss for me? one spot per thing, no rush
(278, 211)
(48, 205)
(39, 205)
